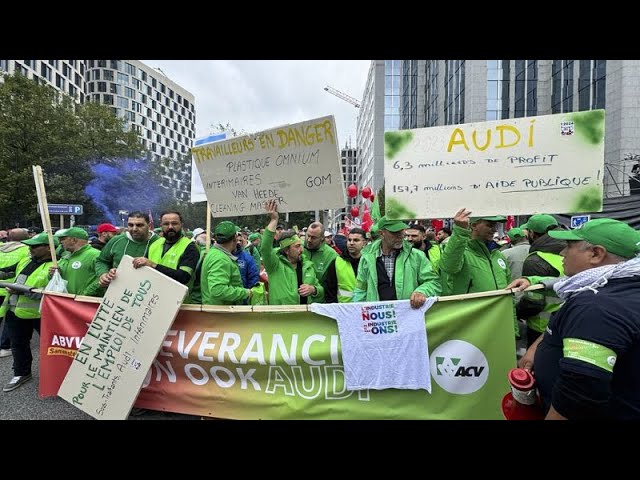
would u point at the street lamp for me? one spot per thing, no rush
(124, 214)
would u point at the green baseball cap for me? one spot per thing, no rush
(391, 225)
(495, 218)
(225, 231)
(74, 232)
(540, 222)
(616, 236)
(254, 236)
(515, 233)
(40, 239)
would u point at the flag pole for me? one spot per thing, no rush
(44, 210)
(208, 244)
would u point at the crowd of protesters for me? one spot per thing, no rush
(574, 340)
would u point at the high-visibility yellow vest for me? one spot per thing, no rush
(346, 280)
(6, 260)
(552, 302)
(171, 258)
(23, 306)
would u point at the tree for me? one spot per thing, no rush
(40, 126)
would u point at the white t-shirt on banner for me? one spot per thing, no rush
(384, 344)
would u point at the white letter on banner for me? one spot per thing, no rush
(258, 354)
(196, 381)
(171, 374)
(205, 344)
(306, 346)
(289, 357)
(277, 378)
(167, 343)
(335, 376)
(223, 383)
(335, 360)
(184, 352)
(248, 376)
(228, 344)
(311, 392)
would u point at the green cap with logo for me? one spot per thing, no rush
(540, 222)
(254, 236)
(40, 239)
(616, 236)
(224, 231)
(74, 232)
(515, 233)
(494, 218)
(391, 225)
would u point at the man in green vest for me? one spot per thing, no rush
(342, 272)
(173, 255)
(544, 260)
(78, 263)
(292, 279)
(23, 315)
(391, 269)
(10, 255)
(319, 253)
(220, 280)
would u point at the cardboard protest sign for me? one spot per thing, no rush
(550, 164)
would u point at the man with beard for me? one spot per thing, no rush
(342, 272)
(135, 242)
(105, 232)
(417, 236)
(391, 269)
(173, 255)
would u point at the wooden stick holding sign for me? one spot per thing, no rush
(208, 227)
(44, 210)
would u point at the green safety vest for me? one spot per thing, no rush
(552, 302)
(23, 306)
(171, 258)
(6, 260)
(346, 280)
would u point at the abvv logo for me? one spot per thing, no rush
(459, 367)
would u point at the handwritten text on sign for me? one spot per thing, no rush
(298, 165)
(122, 341)
(551, 164)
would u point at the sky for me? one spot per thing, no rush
(256, 95)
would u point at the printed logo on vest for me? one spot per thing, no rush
(502, 264)
(76, 265)
(459, 367)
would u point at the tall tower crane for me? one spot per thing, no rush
(343, 96)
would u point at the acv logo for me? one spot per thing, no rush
(459, 367)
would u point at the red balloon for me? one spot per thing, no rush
(372, 197)
(355, 212)
(352, 191)
(366, 192)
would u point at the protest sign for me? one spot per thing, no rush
(550, 163)
(121, 342)
(298, 165)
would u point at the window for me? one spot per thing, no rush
(137, 84)
(115, 88)
(60, 82)
(107, 75)
(96, 74)
(123, 78)
(123, 102)
(45, 71)
(129, 92)
(130, 69)
(107, 99)
(102, 86)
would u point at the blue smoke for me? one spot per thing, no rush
(126, 184)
